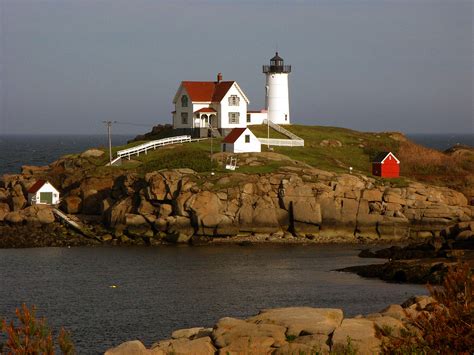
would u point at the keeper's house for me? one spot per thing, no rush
(241, 140)
(386, 165)
(43, 193)
(201, 105)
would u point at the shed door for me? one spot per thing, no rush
(46, 197)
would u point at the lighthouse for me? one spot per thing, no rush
(277, 100)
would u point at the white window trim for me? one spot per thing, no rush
(234, 100)
(234, 117)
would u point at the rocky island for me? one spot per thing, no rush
(273, 197)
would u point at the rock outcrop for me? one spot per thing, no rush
(422, 262)
(179, 205)
(295, 330)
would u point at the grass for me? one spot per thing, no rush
(261, 131)
(357, 150)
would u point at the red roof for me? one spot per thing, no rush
(207, 91)
(234, 135)
(206, 109)
(38, 185)
(380, 157)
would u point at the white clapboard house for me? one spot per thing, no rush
(201, 105)
(241, 140)
(43, 193)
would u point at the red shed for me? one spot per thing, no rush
(386, 165)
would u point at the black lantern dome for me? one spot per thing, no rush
(277, 65)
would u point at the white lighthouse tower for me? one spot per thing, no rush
(277, 101)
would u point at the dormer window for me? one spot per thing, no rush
(184, 101)
(234, 100)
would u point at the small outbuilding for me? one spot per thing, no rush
(241, 140)
(43, 193)
(386, 164)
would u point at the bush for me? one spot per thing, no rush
(32, 335)
(448, 327)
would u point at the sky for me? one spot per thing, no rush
(370, 65)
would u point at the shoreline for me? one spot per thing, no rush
(290, 330)
(58, 235)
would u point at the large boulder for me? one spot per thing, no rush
(72, 204)
(179, 229)
(4, 210)
(93, 191)
(359, 334)
(231, 330)
(157, 190)
(307, 344)
(14, 217)
(92, 153)
(134, 347)
(302, 320)
(116, 213)
(17, 198)
(191, 333)
(308, 211)
(184, 346)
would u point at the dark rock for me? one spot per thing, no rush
(197, 240)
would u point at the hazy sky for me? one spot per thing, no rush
(372, 65)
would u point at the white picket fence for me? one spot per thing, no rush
(294, 140)
(145, 147)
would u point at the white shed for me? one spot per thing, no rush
(241, 140)
(43, 193)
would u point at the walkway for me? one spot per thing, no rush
(293, 141)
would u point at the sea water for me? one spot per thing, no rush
(106, 295)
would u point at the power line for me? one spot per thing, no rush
(134, 124)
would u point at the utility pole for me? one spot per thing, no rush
(108, 124)
(212, 152)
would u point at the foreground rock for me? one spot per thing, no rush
(422, 262)
(295, 330)
(181, 206)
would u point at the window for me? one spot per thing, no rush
(286, 117)
(184, 101)
(249, 118)
(184, 117)
(234, 100)
(247, 138)
(234, 117)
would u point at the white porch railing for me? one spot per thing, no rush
(282, 142)
(282, 130)
(145, 147)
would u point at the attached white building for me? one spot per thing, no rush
(241, 140)
(200, 105)
(256, 117)
(43, 193)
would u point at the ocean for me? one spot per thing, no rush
(19, 150)
(162, 289)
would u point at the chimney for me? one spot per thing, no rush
(219, 77)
